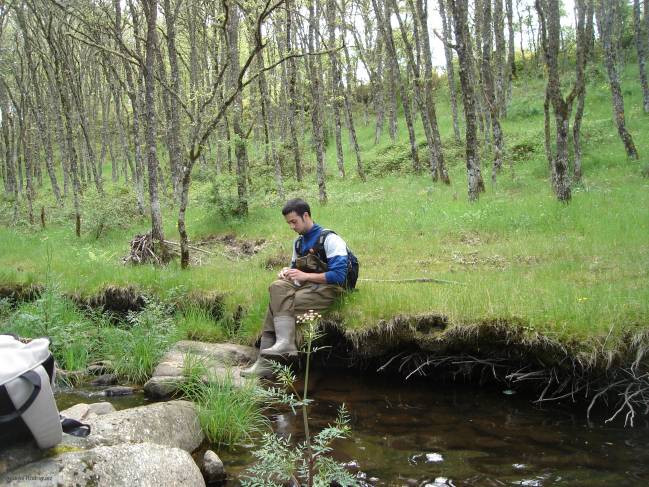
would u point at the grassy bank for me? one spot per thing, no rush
(577, 273)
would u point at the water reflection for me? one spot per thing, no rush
(418, 434)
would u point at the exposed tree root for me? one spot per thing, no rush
(587, 374)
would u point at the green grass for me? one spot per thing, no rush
(229, 415)
(573, 272)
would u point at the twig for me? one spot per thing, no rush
(171, 242)
(414, 279)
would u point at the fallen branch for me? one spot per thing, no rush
(414, 279)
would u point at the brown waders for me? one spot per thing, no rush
(287, 301)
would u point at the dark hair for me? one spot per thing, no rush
(298, 205)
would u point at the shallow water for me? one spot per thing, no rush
(423, 433)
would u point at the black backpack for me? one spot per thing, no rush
(319, 250)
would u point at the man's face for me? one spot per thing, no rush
(299, 224)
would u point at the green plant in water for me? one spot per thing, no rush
(229, 414)
(135, 352)
(280, 463)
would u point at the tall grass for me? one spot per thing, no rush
(229, 414)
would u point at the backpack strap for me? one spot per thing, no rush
(35, 380)
(319, 246)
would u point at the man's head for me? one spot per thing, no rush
(297, 214)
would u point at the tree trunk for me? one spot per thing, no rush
(608, 15)
(489, 89)
(511, 52)
(501, 51)
(157, 232)
(175, 149)
(641, 46)
(383, 20)
(316, 103)
(335, 95)
(292, 96)
(459, 10)
(450, 70)
(240, 150)
(550, 27)
(584, 34)
(350, 119)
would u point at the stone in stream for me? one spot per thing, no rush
(145, 464)
(218, 358)
(104, 380)
(213, 469)
(171, 424)
(119, 391)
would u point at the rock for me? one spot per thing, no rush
(119, 391)
(218, 358)
(173, 424)
(82, 411)
(99, 368)
(213, 469)
(162, 387)
(104, 380)
(143, 464)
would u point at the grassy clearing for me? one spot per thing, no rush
(572, 272)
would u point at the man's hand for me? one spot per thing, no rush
(282, 273)
(295, 275)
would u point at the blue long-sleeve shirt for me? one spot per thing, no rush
(335, 249)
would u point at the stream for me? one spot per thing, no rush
(420, 433)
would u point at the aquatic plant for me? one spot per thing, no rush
(278, 461)
(230, 414)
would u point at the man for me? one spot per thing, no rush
(313, 282)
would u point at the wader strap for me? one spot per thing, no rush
(35, 380)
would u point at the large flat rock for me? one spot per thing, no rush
(219, 360)
(173, 424)
(143, 464)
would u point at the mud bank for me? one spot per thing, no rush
(584, 374)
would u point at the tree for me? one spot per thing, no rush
(641, 35)
(459, 9)
(608, 14)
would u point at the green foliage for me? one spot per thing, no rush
(135, 352)
(229, 414)
(196, 323)
(74, 335)
(278, 461)
(223, 195)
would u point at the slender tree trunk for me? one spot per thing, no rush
(450, 70)
(292, 96)
(511, 53)
(175, 152)
(500, 69)
(316, 103)
(386, 31)
(584, 34)
(240, 150)
(520, 30)
(641, 48)
(489, 89)
(335, 85)
(459, 9)
(379, 92)
(550, 27)
(350, 119)
(608, 14)
(157, 232)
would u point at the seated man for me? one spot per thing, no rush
(313, 282)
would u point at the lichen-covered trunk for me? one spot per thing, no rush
(316, 101)
(175, 150)
(240, 151)
(386, 31)
(499, 58)
(608, 15)
(511, 53)
(450, 70)
(291, 88)
(157, 232)
(459, 10)
(350, 118)
(379, 93)
(641, 49)
(336, 88)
